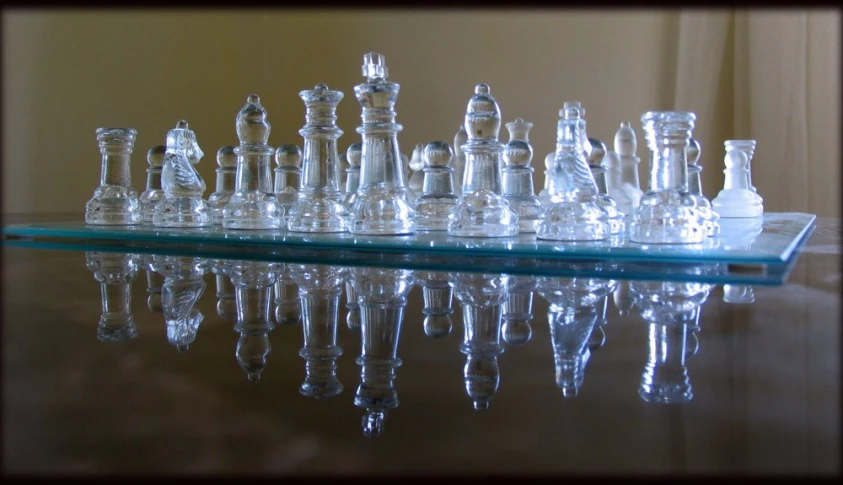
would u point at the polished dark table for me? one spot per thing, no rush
(765, 379)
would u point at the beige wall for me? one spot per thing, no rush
(67, 73)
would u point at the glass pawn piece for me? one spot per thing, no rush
(517, 176)
(115, 273)
(416, 180)
(482, 211)
(748, 147)
(287, 175)
(320, 207)
(458, 162)
(596, 163)
(667, 213)
(115, 202)
(572, 213)
(622, 170)
(382, 295)
(381, 206)
(549, 186)
(518, 311)
(737, 200)
(154, 282)
(226, 298)
(437, 195)
(154, 193)
(438, 297)
(353, 155)
(183, 205)
(286, 299)
(253, 205)
(226, 182)
(183, 287)
(481, 296)
(710, 218)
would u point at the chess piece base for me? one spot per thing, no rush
(573, 221)
(666, 217)
(113, 205)
(737, 203)
(117, 327)
(217, 202)
(317, 215)
(528, 209)
(432, 212)
(253, 210)
(182, 212)
(482, 214)
(148, 201)
(382, 213)
(616, 218)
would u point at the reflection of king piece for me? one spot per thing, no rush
(115, 273)
(183, 205)
(183, 286)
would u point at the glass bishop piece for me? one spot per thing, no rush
(572, 212)
(287, 175)
(437, 198)
(253, 205)
(115, 202)
(154, 193)
(320, 207)
(518, 176)
(115, 273)
(226, 182)
(183, 205)
(381, 206)
(667, 213)
(482, 211)
(710, 218)
(596, 162)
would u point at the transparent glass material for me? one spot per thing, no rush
(353, 155)
(154, 193)
(226, 182)
(253, 204)
(154, 282)
(115, 273)
(518, 311)
(183, 287)
(286, 299)
(597, 165)
(572, 212)
(288, 160)
(748, 147)
(518, 176)
(458, 162)
(667, 211)
(115, 202)
(320, 206)
(622, 178)
(544, 195)
(183, 205)
(482, 211)
(437, 295)
(415, 169)
(226, 296)
(710, 218)
(381, 206)
(737, 199)
(437, 195)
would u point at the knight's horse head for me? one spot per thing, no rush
(182, 141)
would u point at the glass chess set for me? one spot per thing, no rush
(475, 197)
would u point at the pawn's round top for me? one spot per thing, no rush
(417, 158)
(437, 154)
(517, 153)
(625, 142)
(735, 159)
(549, 160)
(483, 115)
(693, 151)
(598, 152)
(354, 154)
(288, 156)
(226, 157)
(252, 126)
(155, 156)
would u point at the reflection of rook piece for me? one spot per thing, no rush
(226, 299)
(115, 202)
(438, 296)
(437, 193)
(597, 165)
(115, 273)
(226, 182)
(154, 193)
(183, 286)
(736, 200)
(183, 205)
(518, 311)
(286, 299)
(287, 175)
(518, 176)
(353, 155)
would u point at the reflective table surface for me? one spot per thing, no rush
(126, 363)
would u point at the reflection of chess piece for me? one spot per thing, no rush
(458, 162)
(253, 281)
(287, 175)
(226, 182)
(352, 318)
(740, 294)
(438, 296)
(286, 299)
(183, 205)
(226, 299)
(154, 193)
(115, 202)
(183, 286)
(622, 298)
(115, 273)
(382, 295)
(154, 282)
(518, 311)
(320, 288)
(597, 339)
(597, 165)
(518, 176)
(481, 296)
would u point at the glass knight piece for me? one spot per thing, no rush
(596, 163)
(737, 200)
(183, 287)
(115, 273)
(482, 211)
(438, 298)
(154, 193)
(458, 162)
(518, 176)
(572, 213)
(115, 202)
(667, 212)
(253, 205)
(381, 206)
(287, 175)
(353, 155)
(710, 218)
(518, 311)
(183, 205)
(437, 196)
(226, 182)
(286, 299)
(320, 207)
(622, 165)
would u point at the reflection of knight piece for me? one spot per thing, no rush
(226, 300)
(253, 281)
(286, 299)
(382, 295)
(438, 297)
(115, 273)
(183, 286)
(320, 288)
(482, 296)
(572, 316)
(518, 311)
(622, 298)
(154, 282)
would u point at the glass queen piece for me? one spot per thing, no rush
(115, 202)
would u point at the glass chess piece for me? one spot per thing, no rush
(572, 213)
(748, 147)
(458, 162)
(482, 211)
(287, 175)
(518, 311)
(438, 297)
(353, 155)
(622, 170)
(286, 299)
(409, 195)
(154, 282)
(343, 166)
(253, 282)
(481, 296)
(253, 205)
(382, 295)
(226, 298)
(517, 176)
(381, 206)
(736, 200)
(320, 288)
(710, 218)
(623, 299)
(183, 205)
(667, 213)
(154, 193)
(437, 195)
(115, 273)
(596, 163)
(320, 207)
(183, 287)
(226, 182)
(549, 186)
(416, 180)
(115, 202)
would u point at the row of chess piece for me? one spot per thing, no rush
(479, 188)
(496, 309)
